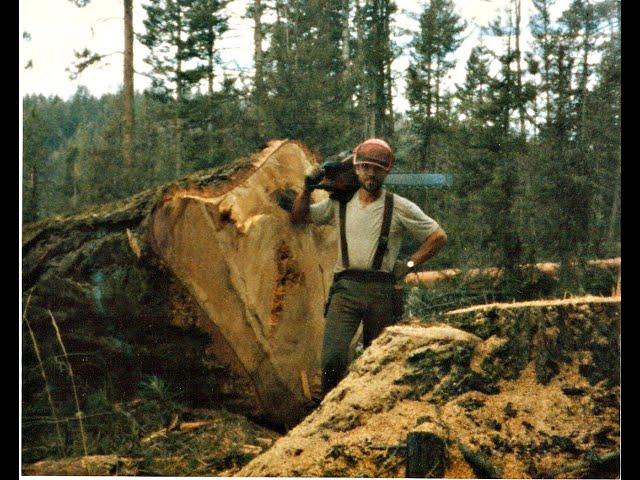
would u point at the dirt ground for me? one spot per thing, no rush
(526, 390)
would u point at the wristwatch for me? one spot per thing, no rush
(411, 265)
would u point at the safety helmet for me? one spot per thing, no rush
(374, 151)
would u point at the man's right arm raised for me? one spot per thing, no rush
(300, 210)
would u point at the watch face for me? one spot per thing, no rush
(410, 263)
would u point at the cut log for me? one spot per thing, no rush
(204, 283)
(545, 268)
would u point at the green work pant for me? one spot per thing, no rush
(351, 302)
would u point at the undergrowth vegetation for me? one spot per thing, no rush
(428, 301)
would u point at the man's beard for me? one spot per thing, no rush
(372, 185)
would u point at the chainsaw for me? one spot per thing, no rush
(341, 180)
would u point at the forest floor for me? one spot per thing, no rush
(197, 442)
(500, 407)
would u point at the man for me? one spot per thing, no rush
(366, 270)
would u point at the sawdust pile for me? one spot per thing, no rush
(517, 390)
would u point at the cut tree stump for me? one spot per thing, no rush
(204, 283)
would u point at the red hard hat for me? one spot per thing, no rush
(374, 151)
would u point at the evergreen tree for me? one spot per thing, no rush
(437, 39)
(541, 57)
(376, 50)
(473, 93)
(308, 94)
(205, 25)
(603, 127)
(166, 38)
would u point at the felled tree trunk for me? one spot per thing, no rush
(204, 283)
(546, 268)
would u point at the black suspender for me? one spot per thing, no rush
(384, 232)
(383, 241)
(343, 235)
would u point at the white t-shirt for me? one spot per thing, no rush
(363, 227)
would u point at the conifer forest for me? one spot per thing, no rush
(531, 136)
(172, 322)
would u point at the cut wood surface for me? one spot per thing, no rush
(204, 282)
(260, 280)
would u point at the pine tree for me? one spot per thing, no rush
(438, 38)
(308, 90)
(473, 94)
(205, 25)
(540, 59)
(374, 23)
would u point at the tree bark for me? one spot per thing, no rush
(388, 77)
(34, 200)
(521, 109)
(613, 217)
(257, 48)
(210, 54)
(128, 118)
(346, 35)
(363, 97)
(204, 283)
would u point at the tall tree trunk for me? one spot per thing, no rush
(363, 99)
(179, 97)
(582, 89)
(258, 59)
(547, 64)
(521, 109)
(390, 120)
(387, 71)
(346, 35)
(128, 120)
(615, 205)
(257, 49)
(74, 196)
(33, 201)
(210, 72)
(437, 96)
(429, 89)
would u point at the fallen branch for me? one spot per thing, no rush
(190, 426)
(586, 467)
